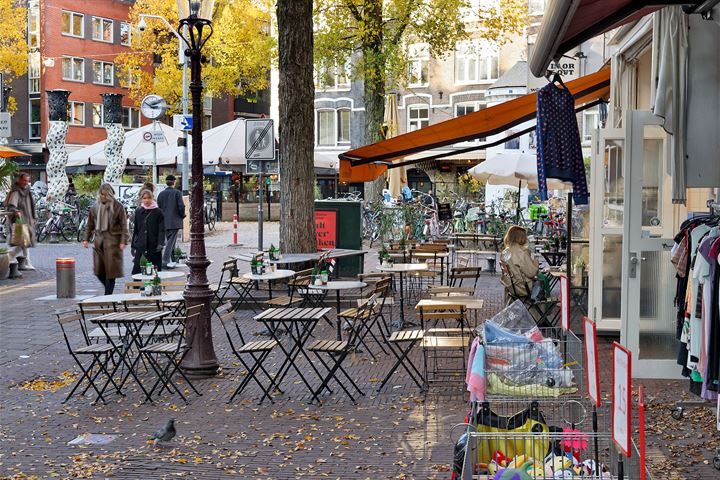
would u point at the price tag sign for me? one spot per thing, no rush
(565, 303)
(622, 398)
(591, 361)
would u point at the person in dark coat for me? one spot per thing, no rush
(149, 233)
(107, 228)
(171, 203)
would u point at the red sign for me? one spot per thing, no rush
(591, 361)
(326, 229)
(565, 302)
(622, 398)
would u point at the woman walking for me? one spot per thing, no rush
(107, 224)
(149, 233)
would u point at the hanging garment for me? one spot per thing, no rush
(559, 153)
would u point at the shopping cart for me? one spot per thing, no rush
(492, 447)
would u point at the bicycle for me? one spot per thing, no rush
(209, 215)
(59, 222)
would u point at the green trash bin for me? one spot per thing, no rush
(338, 224)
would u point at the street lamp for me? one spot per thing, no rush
(201, 360)
(182, 59)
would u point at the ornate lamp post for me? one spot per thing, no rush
(201, 359)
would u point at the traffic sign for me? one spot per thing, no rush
(259, 139)
(154, 136)
(5, 130)
(182, 122)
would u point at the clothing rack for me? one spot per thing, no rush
(678, 410)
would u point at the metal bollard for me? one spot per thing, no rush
(65, 277)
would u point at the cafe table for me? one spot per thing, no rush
(130, 323)
(299, 324)
(338, 286)
(164, 275)
(401, 269)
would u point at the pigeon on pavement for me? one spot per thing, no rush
(166, 433)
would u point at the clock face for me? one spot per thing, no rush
(153, 107)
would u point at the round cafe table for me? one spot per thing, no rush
(164, 275)
(269, 277)
(401, 269)
(339, 285)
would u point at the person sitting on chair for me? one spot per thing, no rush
(518, 262)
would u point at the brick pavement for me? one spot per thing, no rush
(395, 434)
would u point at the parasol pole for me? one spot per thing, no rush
(517, 210)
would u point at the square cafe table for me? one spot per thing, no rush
(130, 340)
(299, 323)
(401, 269)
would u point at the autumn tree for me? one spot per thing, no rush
(375, 34)
(296, 91)
(13, 43)
(239, 52)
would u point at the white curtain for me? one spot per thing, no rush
(671, 75)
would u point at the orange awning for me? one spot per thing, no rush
(361, 164)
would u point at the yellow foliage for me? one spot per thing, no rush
(41, 385)
(13, 43)
(240, 51)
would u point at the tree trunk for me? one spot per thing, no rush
(374, 85)
(297, 92)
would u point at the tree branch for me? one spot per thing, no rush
(353, 10)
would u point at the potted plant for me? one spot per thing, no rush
(4, 263)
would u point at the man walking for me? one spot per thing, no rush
(21, 206)
(171, 203)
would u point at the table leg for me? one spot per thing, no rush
(402, 302)
(337, 317)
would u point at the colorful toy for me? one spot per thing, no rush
(515, 473)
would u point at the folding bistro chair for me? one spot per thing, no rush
(258, 351)
(337, 351)
(373, 317)
(458, 275)
(230, 281)
(91, 309)
(174, 352)
(444, 343)
(292, 298)
(101, 354)
(397, 342)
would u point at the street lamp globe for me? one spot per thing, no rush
(195, 9)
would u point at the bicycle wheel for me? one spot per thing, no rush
(81, 229)
(212, 217)
(68, 230)
(42, 233)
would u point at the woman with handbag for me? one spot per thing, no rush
(148, 237)
(21, 224)
(107, 228)
(520, 269)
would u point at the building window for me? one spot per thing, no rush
(513, 144)
(590, 124)
(130, 117)
(469, 107)
(103, 73)
(72, 24)
(34, 119)
(343, 126)
(33, 35)
(102, 29)
(333, 77)
(418, 117)
(419, 65)
(125, 34)
(73, 69)
(333, 127)
(76, 113)
(97, 114)
(475, 63)
(34, 72)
